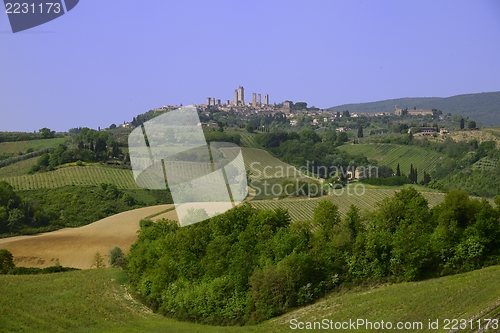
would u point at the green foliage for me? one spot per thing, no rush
(222, 137)
(46, 133)
(116, 257)
(98, 261)
(360, 131)
(215, 267)
(34, 271)
(299, 106)
(6, 261)
(326, 215)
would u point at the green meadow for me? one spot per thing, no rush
(99, 301)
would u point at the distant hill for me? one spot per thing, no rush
(483, 107)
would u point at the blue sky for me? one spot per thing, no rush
(107, 61)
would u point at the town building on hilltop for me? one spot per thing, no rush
(414, 112)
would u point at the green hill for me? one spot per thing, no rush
(483, 107)
(74, 175)
(260, 162)
(392, 154)
(98, 301)
(21, 146)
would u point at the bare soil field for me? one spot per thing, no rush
(76, 247)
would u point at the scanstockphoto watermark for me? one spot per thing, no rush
(258, 171)
(26, 14)
(338, 180)
(356, 324)
(297, 188)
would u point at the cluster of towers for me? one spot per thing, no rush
(239, 99)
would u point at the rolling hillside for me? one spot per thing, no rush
(483, 107)
(259, 162)
(74, 175)
(99, 301)
(391, 154)
(20, 168)
(21, 146)
(75, 247)
(303, 209)
(262, 165)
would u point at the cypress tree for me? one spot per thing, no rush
(360, 131)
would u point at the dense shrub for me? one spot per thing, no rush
(116, 257)
(6, 261)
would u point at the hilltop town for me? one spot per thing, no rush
(287, 111)
(288, 108)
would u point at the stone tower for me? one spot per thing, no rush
(241, 96)
(254, 100)
(259, 103)
(287, 107)
(266, 99)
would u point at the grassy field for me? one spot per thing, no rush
(263, 165)
(98, 301)
(455, 297)
(17, 169)
(21, 146)
(74, 175)
(392, 154)
(303, 209)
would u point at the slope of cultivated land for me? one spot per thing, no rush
(248, 140)
(366, 200)
(44, 143)
(20, 168)
(392, 154)
(75, 247)
(479, 135)
(262, 165)
(74, 175)
(21, 146)
(98, 301)
(259, 162)
(12, 147)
